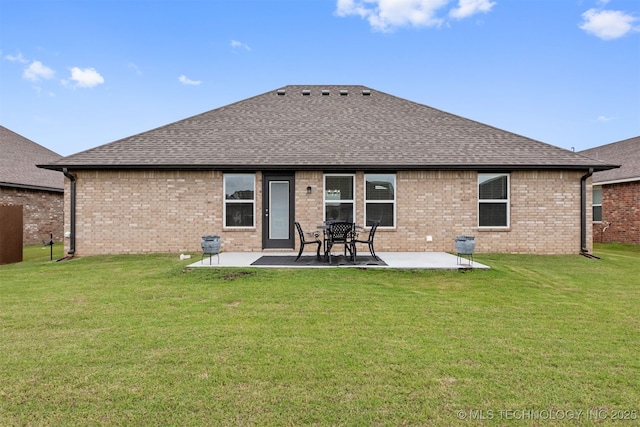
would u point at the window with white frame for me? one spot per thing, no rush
(239, 200)
(493, 200)
(380, 199)
(339, 197)
(597, 203)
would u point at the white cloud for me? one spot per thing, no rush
(37, 71)
(16, 58)
(386, 15)
(86, 77)
(186, 81)
(467, 8)
(239, 45)
(608, 24)
(604, 119)
(39, 91)
(135, 68)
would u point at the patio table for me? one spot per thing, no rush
(338, 233)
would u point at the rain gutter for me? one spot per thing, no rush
(583, 213)
(72, 237)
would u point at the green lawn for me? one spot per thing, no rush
(139, 340)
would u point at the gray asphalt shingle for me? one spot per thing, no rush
(359, 130)
(625, 153)
(18, 159)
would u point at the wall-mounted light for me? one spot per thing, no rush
(309, 190)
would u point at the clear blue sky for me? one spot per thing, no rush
(78, 74)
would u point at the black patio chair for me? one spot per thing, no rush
(304, 241)
(340, 233)
(368, 241)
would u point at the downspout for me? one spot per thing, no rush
(583, 212)
(72, 211)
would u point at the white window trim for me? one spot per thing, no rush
(395, 204)
(231, 201)
(506, 201)
(596, 204)
(324, 194)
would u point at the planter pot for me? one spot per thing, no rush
(465, 245)
(210, 245)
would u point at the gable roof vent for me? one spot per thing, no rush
(325, 92)
(366, 92)
(344, 92)
(281, 92)
(306, 92)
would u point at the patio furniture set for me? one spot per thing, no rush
(341, 234)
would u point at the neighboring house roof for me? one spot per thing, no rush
(625, 153)
(327, 128)
(18, 163)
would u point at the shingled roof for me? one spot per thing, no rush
(327, 128)
(625, 153)
(18, 163)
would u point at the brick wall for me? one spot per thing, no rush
(621, 209)
(142, 212)
(544, 214)
(43, 212)
(168, 211)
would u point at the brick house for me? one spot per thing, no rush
(247, 170)
(616, 193)
(39, 191)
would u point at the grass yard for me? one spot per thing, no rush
(137, 340)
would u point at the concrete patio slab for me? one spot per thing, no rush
(402, 260)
